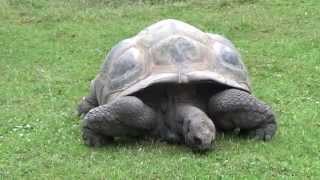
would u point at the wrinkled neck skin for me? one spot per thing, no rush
(178, 97)
(184, 115)
(181, 113)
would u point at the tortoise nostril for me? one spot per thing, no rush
(197, 141)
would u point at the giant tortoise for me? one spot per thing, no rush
(176, 83)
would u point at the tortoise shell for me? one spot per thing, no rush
(169, 51)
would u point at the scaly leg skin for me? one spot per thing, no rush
(236, 109)
(198, 129)
(126, 116)
(89, 102)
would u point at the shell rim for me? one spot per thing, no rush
(174, 78)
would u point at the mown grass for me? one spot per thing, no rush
(50, 50)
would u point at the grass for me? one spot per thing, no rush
(50, 50)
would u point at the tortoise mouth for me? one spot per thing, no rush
(191, 77)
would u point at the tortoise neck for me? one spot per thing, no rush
(182, 93)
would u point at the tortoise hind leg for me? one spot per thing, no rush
(126, 116)
(88, 102)
(235, 109)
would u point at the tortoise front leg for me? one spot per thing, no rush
(126, 116)
(234, 109)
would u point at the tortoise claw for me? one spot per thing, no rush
(264, 133)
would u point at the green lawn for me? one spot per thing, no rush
(51, 49)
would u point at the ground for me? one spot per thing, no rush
(50, 50)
